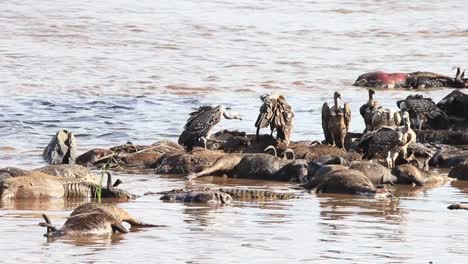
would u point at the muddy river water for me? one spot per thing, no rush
(113, 71)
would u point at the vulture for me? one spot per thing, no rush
(455, 104)
(423, 110)
(384, 117)
(335, 122)
(388, 142)
(368, 109)
(278, 114)
(199, 124)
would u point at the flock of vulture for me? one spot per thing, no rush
(387, 133)
(396, 147)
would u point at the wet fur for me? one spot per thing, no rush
(254, 166)
(410, 174)
(345, 181)
(38, 185)
(377, 173)
(94, 219)
(196, 160)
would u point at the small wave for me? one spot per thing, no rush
(187, 90)
(122, 107)
(113, 135)
(238, 65)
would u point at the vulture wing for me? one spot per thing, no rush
(199, 124)
(325, 120)
(347, 116)
(363, 109)
(267, 112)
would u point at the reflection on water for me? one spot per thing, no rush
(132, 70)
(462, 186)
(38, 205)
(313, 227)
(101, 242)
(338, 207)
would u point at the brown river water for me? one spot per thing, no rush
(113, 71)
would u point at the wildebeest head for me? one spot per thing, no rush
(110, 191)
(296, 171)
(409, 174)
(52, 231)
(300, 168)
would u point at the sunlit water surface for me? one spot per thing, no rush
(113, 71)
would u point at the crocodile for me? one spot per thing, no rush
(245, 194)
(38, 185)
(222, 195)
(94, 219)
(199, 196)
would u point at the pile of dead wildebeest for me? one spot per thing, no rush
(398, 146)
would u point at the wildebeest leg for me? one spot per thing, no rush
(343, 137)
(333, 140)
(389, 160)
(208, 139)
(280, 134)
(257, 135)
(272, 128)
(224, 163)
(420, 121)
(118, 227)
(134, 222)
(394, 157)
(405, 150)
(204, 139)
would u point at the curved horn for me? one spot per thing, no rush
(314, 143)
(286, 151)
(271, 147)
(109, 181)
